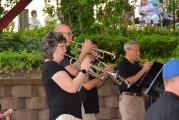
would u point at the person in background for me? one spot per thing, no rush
(7, 114)
(156, 4)
(63, 98)
(33, 21)
(167, 106)
(131, 101)
(164, 16)
(148, 13)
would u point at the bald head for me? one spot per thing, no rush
(61, 28)
(66, 31)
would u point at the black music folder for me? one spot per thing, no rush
(152, 80)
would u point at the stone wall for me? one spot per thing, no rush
(27, 97)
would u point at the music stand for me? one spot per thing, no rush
(153, 81)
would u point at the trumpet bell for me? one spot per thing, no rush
(100, 51)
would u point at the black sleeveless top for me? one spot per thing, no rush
(59, 101)
(90, 99)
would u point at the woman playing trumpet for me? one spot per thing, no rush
(85, 50)
(61, 87)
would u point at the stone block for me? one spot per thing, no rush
(24, 91)
(111, 101)
(107, 90)
(41, 91)
(43, 114)
(107, 113)
(101, 101)
(36, 103)
(25, 114)
(7, 91)
(11, 102)
(2, 90)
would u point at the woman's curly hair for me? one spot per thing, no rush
(50, 42)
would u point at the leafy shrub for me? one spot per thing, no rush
(152, 46)
(10, 61)
(29, 40)
(22, 50)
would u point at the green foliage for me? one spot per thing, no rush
(6, 6)
(110, 18)
(22, 50)
(177, 13)
(10, 61)
(49, 9)
(155, 46)
(106, 19)
(1, 11)
(176, 52)
(172, 4)
(28, 40)
(79, 14)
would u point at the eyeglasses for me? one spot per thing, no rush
(68, 33)
(62, 45)
(134, 50)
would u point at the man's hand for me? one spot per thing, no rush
(87, 47)
(109, 67)
(146, 66)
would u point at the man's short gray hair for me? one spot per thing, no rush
(128, 44)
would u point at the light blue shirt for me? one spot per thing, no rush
(149, 9)
(155, 3)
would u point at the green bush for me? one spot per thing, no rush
(22, 50)
(152, 46)
(10, 61)
(28, 40)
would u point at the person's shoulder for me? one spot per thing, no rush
(122, 63)
(122, 60)
(50, 64)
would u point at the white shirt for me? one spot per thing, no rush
(34, 23)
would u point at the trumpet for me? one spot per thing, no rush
(100, 52)
(144, 61)
(116, 78)
(96, 68)
(122, 82)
